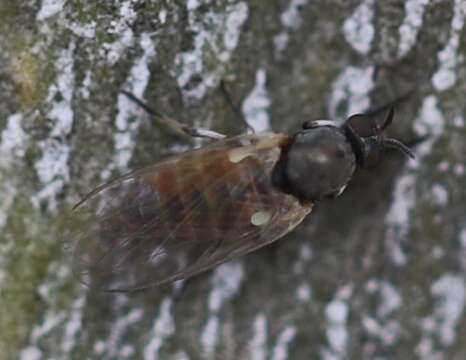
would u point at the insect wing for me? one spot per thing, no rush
(182, 216)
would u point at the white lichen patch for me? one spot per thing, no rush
(381, 326)
(397, 219)
(128, 119)
(164, 327)
(67, 324)
(290, 20)
(49, 8)
(258, 343)
(226, 283)
(13, 141)
(352, 86)
(115, 344)
(358, 29)
(303, 293)
(216, 35)
(429, 121)
(387, 332)
(73, 323)
(336, 314)
(305, 256)
(83, 30)
(449, 293)
(462, 253)
(126, 16)
(52, 168)
(51, 321)
(458, 169)
(30, 353)
(458, 121)
(120, 29)
(412, 22)
(255, 106)
(337, 336)
(445, 77)
(115, 50)
(209, 336)
(440, 195)
(390, 298)
(281, 348)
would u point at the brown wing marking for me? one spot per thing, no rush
(183, 216)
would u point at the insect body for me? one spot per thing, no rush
(195, 210)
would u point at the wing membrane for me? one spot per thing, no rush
(182, 216)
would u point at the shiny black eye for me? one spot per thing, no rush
(368, 139)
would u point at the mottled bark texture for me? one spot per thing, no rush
(378, 273)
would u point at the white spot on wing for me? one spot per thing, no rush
(260, 218)
(238, 154)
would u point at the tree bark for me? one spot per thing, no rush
(378, 273)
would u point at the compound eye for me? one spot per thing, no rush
(362, 125)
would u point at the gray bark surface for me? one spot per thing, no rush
(378, 273)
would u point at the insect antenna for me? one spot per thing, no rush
(395, 144)
(368, 145)
(234, 107)
(142, 104)
(172, 123)
(388, 120)
(374, 111)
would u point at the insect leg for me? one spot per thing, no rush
(234, 107)
(373, 111)
(174, 124)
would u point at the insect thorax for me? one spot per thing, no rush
(317, 164)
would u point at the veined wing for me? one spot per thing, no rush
(183, 216)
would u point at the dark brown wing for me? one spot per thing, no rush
(183, 216)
